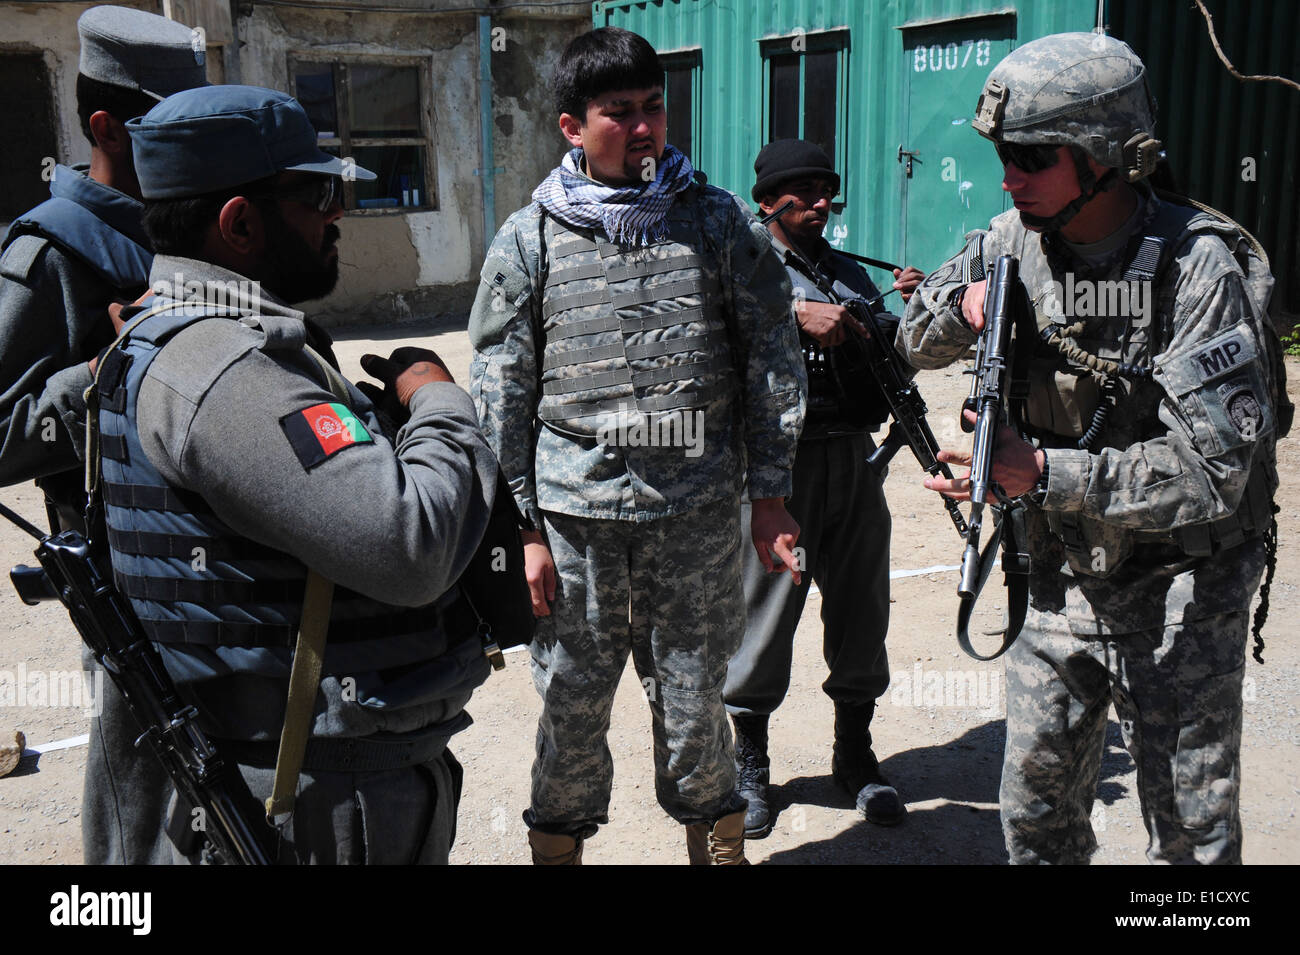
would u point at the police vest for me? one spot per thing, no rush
(117, 258)
(192, 580)
(631, 330)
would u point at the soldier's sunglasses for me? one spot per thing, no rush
(319, 193)
(1027, 157)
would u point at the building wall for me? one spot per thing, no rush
(394, 265)
(51, 29)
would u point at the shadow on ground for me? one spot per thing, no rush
(966, 770)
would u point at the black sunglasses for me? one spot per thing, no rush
(1028, 157)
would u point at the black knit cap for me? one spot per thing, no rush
(784, 159)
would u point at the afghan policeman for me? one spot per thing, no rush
(635, 361)
(235, 459)
(1154, 414)
(838, 501)
(64, 263)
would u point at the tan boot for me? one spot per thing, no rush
(723, 843)
(549, 849)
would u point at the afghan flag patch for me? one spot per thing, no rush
(322, 431)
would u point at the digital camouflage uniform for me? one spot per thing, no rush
(650, 529)
(1127, 613)
(1146, 538)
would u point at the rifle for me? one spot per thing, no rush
(1004, 306)
(892, 376)
(109, 626)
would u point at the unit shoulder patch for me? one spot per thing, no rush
(322, 431)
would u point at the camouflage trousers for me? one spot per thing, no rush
(668, 592)
(1177, 696)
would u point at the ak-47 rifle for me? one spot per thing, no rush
(1004, 306)
(69, 573)
(893, 377)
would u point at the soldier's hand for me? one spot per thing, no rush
(406, 370)
(906, 280)
(826, 322)
(1017, 465)
(775, 533)
(539, 571)
(972, 304)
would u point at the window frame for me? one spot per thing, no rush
(346, 143)
(837, 40)
(688, 60)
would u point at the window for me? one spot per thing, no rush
(373, 112)
(27, 109)
(805, 96)
(680, 70)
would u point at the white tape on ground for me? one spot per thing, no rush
(68, 743)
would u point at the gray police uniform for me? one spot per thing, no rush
(229, 468)
(1146, 549)
(64, 262)
(839, 504)
(591, 337)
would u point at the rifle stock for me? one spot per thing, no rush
(110, 628)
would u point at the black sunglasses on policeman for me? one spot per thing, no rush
(1028, 157)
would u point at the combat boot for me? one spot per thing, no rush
(551, 849)
(855, 768)
(719, 843)
(753, 772)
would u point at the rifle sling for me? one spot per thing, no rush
(1010, 533)
(308, 657)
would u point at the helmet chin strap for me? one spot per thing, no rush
(1089, 186)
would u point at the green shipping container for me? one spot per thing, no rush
(889, 88)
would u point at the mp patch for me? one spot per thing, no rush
(322, 431)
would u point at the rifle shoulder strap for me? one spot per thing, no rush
(308, 658)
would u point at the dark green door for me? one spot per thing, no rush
(955, 181)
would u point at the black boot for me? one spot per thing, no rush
(752, 773)
(856, 769)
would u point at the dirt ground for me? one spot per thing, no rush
(939, 730)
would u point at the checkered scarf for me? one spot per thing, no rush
(632, 214)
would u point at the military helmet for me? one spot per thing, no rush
(1078, 89)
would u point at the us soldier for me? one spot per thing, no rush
(234, 459)
(838, 501)
(64, 263)
(629, 308)
(1149, 488)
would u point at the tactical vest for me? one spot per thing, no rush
(1074, 374)
(843, 395)
(118, 259)
(631, 330)
(193, 580)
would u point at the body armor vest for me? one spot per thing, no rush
(118, 259)
(192, 580)
(1083, 363)
(843, 395)
(631, 330)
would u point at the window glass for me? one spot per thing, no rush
(314, 89)
(385, 101)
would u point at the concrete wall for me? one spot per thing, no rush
(394, 265)
(398, 266)
(52, 28)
